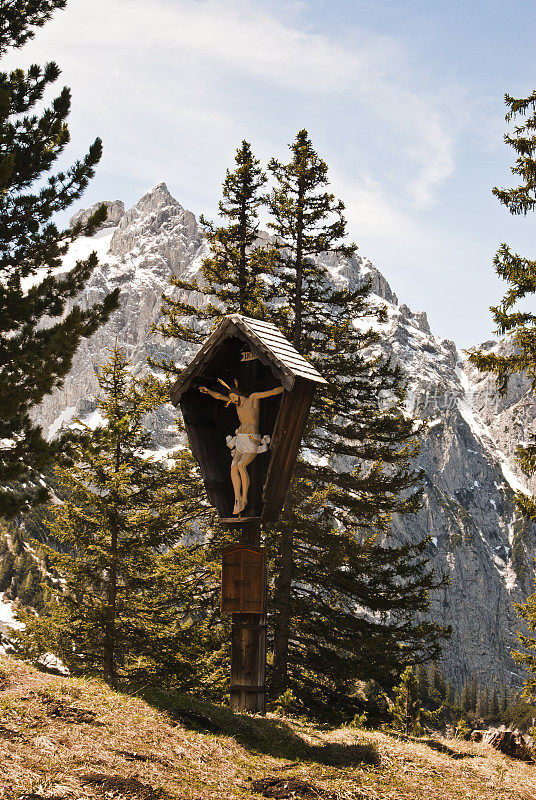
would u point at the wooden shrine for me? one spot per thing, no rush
(245, 398)
(258, 358)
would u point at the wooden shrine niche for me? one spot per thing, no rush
(242, 580)
(255, 358)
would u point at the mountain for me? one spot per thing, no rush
(467, 450)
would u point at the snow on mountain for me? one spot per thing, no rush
(8, 622)
(467, 451)
(7, 615)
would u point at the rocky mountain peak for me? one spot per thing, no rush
(115, 209)
(353, 271)
(153, 201)
(418, 319)
(158, 220)
(380, 286)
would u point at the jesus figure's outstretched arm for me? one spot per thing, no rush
(217, 395)
(269, 393)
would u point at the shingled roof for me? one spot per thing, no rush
(264, 339)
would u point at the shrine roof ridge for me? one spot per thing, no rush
(265, 338)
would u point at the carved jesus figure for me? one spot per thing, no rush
(247, 441)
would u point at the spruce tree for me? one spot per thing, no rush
(406, 711)
(519, 324)
(307, 223)
(473, 692)
(117, 613)
(421, 676)
(34, 357)
(465, 699)
(19, 17)
(449, 696)
(334, 552)
(504, 701)
(233, 275)
(520, 273)
(438, 686)
(484, 709)
(494, 710)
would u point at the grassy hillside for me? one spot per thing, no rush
(63, 738)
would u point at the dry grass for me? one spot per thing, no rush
(68, 739)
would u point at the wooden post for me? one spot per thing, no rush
(248, 637)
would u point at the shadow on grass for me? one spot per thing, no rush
(273, 737)
(443, 748)
(433, 744)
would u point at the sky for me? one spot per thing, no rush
(403, 100)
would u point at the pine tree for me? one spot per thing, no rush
(333, 549)
(494, 705)
(504, 702)
(233, 275)
(34, 357)
(465, 700)
(406, 711)
(483, 704)
(17, 543)
(516, 270)
(29, 586)
(520, 273)
(449, 704)
(473, 692)
(6, 570)
(519, 324)
(438, 686)
(117, 614)
(421, 676)
(18, 17)
(307, 223)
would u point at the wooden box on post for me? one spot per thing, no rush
(242, 579)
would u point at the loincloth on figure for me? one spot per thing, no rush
(247, 443)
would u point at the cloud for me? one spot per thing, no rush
(368, 209)
(225, 34)
(174, 85)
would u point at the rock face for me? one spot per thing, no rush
(154, 239)
(115, 209)
(467, 451)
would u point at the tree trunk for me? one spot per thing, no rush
(110, 673)
(283, 583)
(109, 636)
(282, 619)
(296, 339)
(242, 298)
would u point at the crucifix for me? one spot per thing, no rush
(247, 441)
